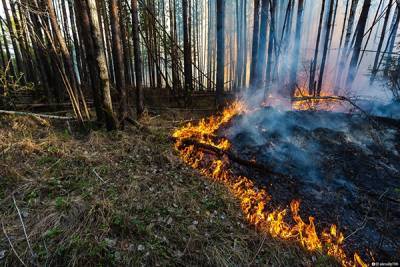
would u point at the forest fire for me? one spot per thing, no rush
(325, 101)
(279, 223)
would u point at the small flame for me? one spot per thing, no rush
(325, 101)
(254, 201)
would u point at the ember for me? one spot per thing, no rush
(256, 202)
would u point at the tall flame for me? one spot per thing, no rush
(254, 201)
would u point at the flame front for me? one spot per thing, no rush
(254, 201)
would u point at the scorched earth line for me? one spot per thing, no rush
(254, 200)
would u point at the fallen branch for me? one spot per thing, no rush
(336, 98)
(220, 152)
(11, 245)
(98, 176)
(138, 125)
(20, 113)
(24, 228)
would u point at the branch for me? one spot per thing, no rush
(336, 98)
(11, 245)
(20, 113)
(24, 228)
(219, 152)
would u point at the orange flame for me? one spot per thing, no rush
(254, 201)
(304, 101)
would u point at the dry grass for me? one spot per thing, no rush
(120, 198)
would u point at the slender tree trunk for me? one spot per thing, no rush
(313, 68)
(174, 53)
(271, 43)
(98, 47)
(3, 61)
(13, 37)
(244, 40)
(296, 50)
(83, 21)
(326, 46)
(374, 22)
(255, 45)
(119, 66)
(262, 47)
(138, 59)
(40, 53)
(358, 42)
(381, 40)
(220, 51)
(8, 54)
(187, 51)
(63, 47)
(393, 35)
(333, 23)
(346, 48)
(344, 25)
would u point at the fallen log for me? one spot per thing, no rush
(20, 113)
(220, 152)
(248, 163)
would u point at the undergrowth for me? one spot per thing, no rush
(100, 198)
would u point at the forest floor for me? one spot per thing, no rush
(120, 198)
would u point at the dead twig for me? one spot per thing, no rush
(364, 223)
(98, 176)
(24, 228)
(138, 125)
(11, 245)
(258, 251)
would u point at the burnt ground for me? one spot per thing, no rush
(344, 168)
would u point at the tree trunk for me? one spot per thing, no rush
(358, 43)
(345, 48)
(262, 47)
(393, 35)
(98, 47)
(138, 59)
(187, 56)
(220, 52)
(313, 68)
(119, 66)
(13, 37)
(271, 43)
(83, 21)
(255, 44)
(296, 49)
(381, 40)
(326, 46)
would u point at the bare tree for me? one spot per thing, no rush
(358, 42)
(220, 51)
(138, 59)
(119, 66)
(101, 63)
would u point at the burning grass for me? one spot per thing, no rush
(122, 199)
(255, 200)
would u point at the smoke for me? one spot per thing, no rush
(361, 88)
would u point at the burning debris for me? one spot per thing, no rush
(342, 170)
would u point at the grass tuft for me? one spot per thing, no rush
(121, 199)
